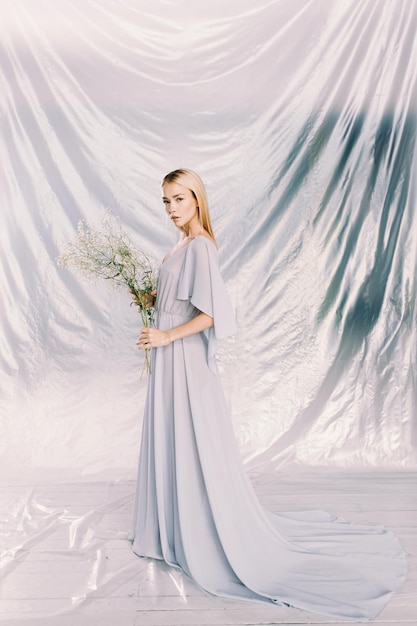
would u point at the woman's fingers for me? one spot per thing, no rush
(152, 338)
(144, 339)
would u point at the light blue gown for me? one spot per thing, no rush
(195, 507)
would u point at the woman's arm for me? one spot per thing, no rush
(155, 338)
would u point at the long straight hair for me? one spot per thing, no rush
(193, 182)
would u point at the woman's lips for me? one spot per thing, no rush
(175, 218)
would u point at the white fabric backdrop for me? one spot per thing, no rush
(301, 118)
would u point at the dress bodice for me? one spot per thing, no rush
(167, 289)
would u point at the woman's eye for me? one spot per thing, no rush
(180, 199)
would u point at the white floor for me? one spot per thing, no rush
(65, 559)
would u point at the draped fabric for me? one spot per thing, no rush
(195, 507)
(301, 118)
(193, 285)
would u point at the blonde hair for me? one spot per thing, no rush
(193, 182)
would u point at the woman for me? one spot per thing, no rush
(195, 507)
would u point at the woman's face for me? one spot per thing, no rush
(181, 206)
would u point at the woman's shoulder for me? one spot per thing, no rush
(204, 242)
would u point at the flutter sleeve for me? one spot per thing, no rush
(200, 282)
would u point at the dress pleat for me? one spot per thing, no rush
(195, 507)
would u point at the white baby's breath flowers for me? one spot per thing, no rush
(109, 253)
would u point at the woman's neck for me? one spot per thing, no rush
(194, 232)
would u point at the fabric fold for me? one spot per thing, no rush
(195, 505)
(201, 283)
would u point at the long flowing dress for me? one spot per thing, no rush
(195, 507)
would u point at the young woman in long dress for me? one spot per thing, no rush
(195, 507)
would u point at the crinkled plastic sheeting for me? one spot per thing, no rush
(301, 118)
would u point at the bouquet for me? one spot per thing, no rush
(109, 254)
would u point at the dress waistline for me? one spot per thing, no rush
(189, 316)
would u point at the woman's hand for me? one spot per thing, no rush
(147, 301)
(153, 338)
